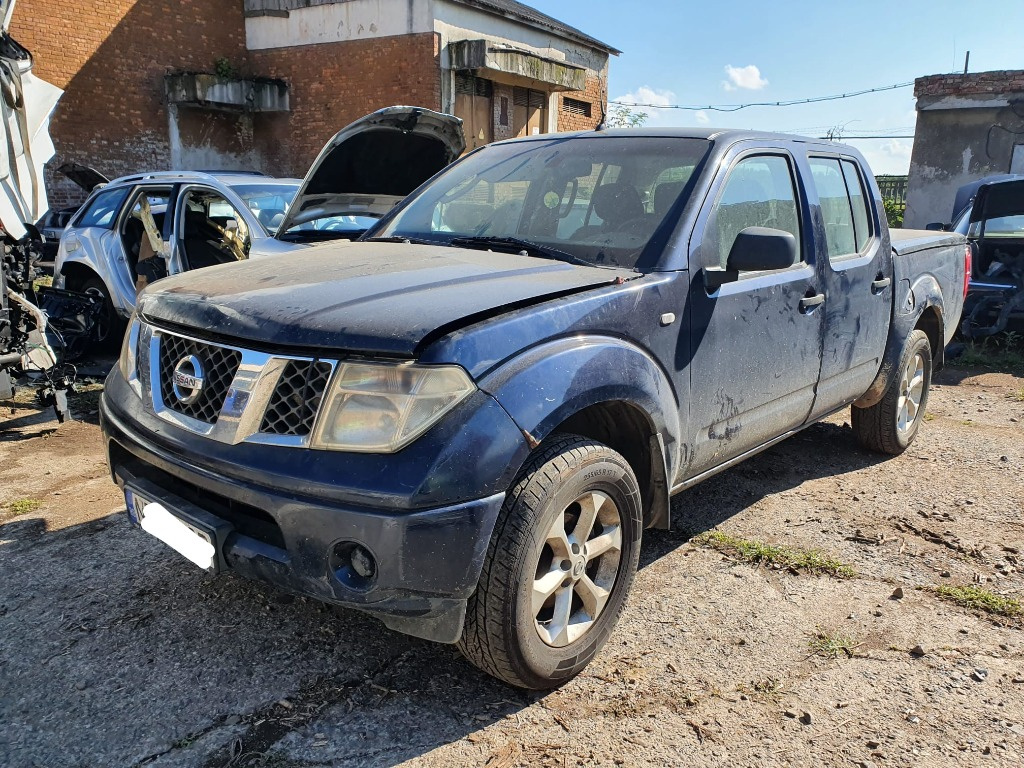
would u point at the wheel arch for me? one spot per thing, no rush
(76, 273)
(604, 389)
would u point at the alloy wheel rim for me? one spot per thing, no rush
(577, 569)
(911, 394)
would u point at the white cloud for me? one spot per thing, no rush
(891, 156)
(647, 95)
(702, 117)
(747, 78)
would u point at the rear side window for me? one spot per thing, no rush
(840, 234)
(102, 211)
(858, 202)
(758, 193)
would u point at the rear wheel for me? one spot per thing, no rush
(891, 425)
(559, 566)
(109, 326)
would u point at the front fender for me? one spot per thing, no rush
(549, 383)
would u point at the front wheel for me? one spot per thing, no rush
(891, 424)
(559, 565)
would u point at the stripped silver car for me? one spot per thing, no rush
(140, 228)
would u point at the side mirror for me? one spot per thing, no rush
(755, 249)
(937, 226)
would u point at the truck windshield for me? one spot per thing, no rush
(597, 199)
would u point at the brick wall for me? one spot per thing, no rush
(333, 84)
(592, 93)
(974, 84)
(110, 58)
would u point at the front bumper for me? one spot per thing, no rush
(428, 561)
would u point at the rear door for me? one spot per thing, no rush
(756, 342)
(853, 247)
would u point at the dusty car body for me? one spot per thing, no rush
(140, 228)
(462, 422)
(991, 216)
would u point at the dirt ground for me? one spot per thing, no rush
(114, 651)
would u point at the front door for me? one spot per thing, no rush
(858, 282)
(756, 342)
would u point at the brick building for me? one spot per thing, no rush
(262, 84)
(968, 126)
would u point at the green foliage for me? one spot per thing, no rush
(24, 506)
(831, 644)
(622, 116)
(997, 353)
(894, 210)
(810, 560)
(223, 68)
(978, 598)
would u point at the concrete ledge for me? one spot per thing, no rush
(200, 89)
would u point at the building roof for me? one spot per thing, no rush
(524, 13)
(998, 82)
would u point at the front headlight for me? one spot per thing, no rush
(127, 363)
(381, 407)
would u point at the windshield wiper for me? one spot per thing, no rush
(528, 248)
(402, 239)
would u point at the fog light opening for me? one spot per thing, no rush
(353, 565)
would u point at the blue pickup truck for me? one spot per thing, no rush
(463, 423)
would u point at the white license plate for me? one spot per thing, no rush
(155, 519)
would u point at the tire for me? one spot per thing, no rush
(565, 479)
(891, 424)
(109, 327)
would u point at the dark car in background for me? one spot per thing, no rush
(990, 214)
(52, 225)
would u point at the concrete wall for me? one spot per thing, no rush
(967, 128)
(454, 22)
(339, 22)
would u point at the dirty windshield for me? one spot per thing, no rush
(598, 199)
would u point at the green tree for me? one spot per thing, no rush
(622, 116)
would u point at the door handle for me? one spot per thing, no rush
(807, 303)
(879, 285)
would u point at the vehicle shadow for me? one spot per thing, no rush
(152, 660)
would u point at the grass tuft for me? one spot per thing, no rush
(831, 644)
(749, 551)
(23, 506)
(997, 353)
(979, 598)
(1018, 395)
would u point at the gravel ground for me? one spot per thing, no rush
(114, 651)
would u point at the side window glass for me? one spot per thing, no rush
(840, 236)
(102, 211)
(858, 202)
(758, 193)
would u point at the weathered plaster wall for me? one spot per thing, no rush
(967, 128)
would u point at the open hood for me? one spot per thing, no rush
(998, 199)
(84, 176)
(372, 164)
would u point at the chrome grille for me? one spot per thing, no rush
(219, 367)
(296, 398)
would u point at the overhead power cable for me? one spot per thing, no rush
(738, 107)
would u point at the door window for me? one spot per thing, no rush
(858, 202)
(840, 236)
(758, 193)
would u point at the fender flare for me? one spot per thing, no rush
(549, 383)
(923, 295)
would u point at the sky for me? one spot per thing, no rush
(741, 51)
